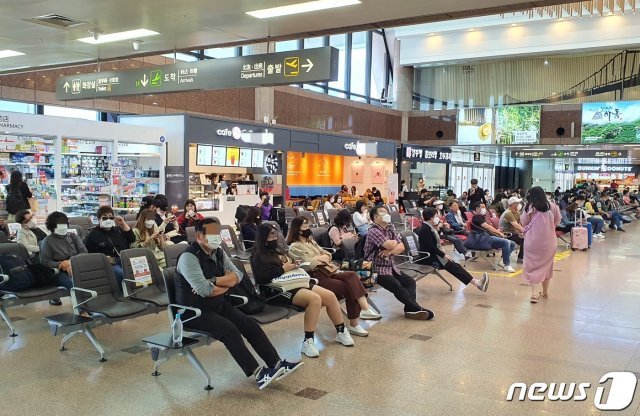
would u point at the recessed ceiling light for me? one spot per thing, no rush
(432, 34)
(471, 30)
(8, 53)
(310, 6)
(118, 36)
(155, 103)
(514, 24)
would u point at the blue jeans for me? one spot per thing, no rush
(505, 245)
(597, 224)
(118, 272)
(64, 280)
(616, 219)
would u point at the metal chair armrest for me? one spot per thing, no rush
(125, 288)
(181, 310)
(4, 278)
(329, 249)
(74, 297)
(244, 299)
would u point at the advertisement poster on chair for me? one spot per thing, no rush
(611, 122)
(475, 126)
(517, 124)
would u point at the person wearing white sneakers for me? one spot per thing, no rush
(344, 284)
(268, 262)
(498, 238)
(510, 223)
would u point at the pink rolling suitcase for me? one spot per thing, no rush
(579, 238)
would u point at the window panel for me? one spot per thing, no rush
(358, 62)
(339, 42)
(287, 45)
(50, 110)
(17, 107)
(218, 53)
(314, 43)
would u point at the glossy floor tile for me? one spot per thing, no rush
(462, 363)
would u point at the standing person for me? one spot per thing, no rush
(429, 239)
(110, 237)
(343, 284)
(222, 186)
(18, 194)
(204, 275)
(510, 223)
(58, 247)
(381, 245)
(476, 194)
(539, 219)
(189, 217)
(269, 262)
(403, 188)
(249, 226)
(421, 185)
(265, 206)
(148, 236)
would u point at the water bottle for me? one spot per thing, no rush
(176, 329)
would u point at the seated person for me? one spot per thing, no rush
(381, 245)
(361, 218)
(606, 210)
(269, 262)
(498, 239)
(203, 277)
(265, 206)
(377, 196)
(429, 239)
(189, 217)
(510, 223)
(339, 232)
(146, 203)
(110, 237)
(166, 220)
(148, 236)
(498, 204)
(345, 285)
(596, 221)
(446, 233)
(450, 198)
(27, 233)
(425, 200)
(249, 226)
(58, 247)
(455, 219)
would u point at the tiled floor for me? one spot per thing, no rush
(462, 363)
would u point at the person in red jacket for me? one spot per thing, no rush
(189, 216)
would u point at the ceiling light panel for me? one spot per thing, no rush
(8, 53)
(311, 6)
(118, 36)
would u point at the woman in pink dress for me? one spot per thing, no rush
(539, 220)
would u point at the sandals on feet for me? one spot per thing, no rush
(534, 299)
(544, 296)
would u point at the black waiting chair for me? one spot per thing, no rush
(97, 295)
(154, 292)
(84, 223)
(190, 233)
(331, 214)
(236, 249)
(9, 299)
(172, 252)
(311, 219)
(414, 265)
(321, 220)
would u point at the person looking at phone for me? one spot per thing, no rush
(110, 237)
(166, 221)
(148, 236)
(269, 262)
(189, 217)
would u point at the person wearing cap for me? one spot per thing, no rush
(476, 194)
(510, 223)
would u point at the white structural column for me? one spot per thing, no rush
(264, 95)
(402, 90)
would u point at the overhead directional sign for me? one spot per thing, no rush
(282, 68)
(570, 154)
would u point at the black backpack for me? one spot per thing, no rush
(20, 276)
(245, 288)
(15, 200)
(241, 212)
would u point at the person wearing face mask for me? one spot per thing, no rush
(148, 236)
(597, 223)
(345, 285)
(166, 220)
(269, 262)
(344, 191)
(499, 240)
(58, 247)
(455, 219)
(110, 237)
(381, 245)
(265, 206)
(429, 239)
(361, 219)
(204, 276)
(249, 226)
(27, 233)
(189, 217)
(510, 223)
(445, 231)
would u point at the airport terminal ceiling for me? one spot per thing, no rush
(189, 24)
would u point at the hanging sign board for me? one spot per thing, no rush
(581, 154)
(282, 68)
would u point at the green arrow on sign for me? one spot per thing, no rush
(156, 78)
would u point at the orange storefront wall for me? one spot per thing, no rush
(310, 169)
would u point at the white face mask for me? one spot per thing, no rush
(149, 223)
(483, 211)
(190, 212)
(439, 206)
(519, 207)
(436, 220)
(386, 218)
(214, 241)
(107, 224)
(31, 224)
(61, 229)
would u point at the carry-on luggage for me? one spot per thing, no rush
(579, 234)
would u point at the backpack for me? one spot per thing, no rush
(42, 275)
(241, 212)
(245, 288)
(20, 277)
(15, 200)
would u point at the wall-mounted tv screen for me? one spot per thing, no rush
(517, 124)
(475, 126)
(611, 122)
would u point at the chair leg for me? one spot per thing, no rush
(6, 318)
(198, 366)
(89, 334)
(373, 305)
(67, 338)
(437, 273)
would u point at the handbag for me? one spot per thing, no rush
(324, 271)
(33, 204)
(294, 279)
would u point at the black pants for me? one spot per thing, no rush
(520, 242)
(457, 271)
(228, 325)
(457, 243)
(403, 288)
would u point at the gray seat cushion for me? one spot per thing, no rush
(38, 292)
(113, 308)
(154, 295)
(271, 313)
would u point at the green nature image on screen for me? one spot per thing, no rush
(611, 122)
(518, 124)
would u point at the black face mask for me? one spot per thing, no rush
(305, 233)
(273, 244)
